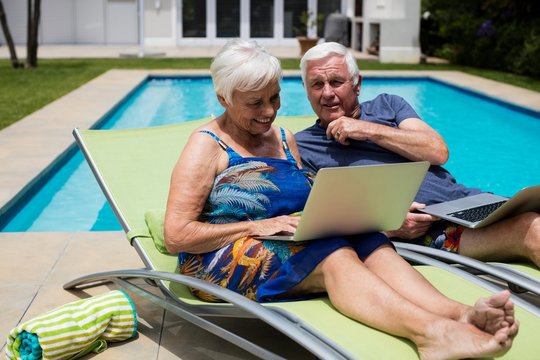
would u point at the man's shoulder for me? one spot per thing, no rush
(389, 107)
(383, 98)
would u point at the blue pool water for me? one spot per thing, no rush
(492, 145)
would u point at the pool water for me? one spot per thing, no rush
(493, 146)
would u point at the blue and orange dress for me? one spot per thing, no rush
(253, 188)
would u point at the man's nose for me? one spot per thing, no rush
(327, 90)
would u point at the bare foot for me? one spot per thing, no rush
(449, 339)
(492, 313)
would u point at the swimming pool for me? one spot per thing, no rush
(493, 145)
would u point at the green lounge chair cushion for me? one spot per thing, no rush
(155, 220)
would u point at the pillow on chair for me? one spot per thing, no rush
(155, 220)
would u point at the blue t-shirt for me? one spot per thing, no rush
(319, 152)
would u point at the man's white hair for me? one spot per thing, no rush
(330, 48)
(243, 65)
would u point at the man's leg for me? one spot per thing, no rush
(510, 239)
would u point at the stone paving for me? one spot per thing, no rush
(33, 266)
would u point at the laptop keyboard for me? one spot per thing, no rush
(477, 213)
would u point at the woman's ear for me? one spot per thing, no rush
(222, 101)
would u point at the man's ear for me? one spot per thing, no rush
(358, 85)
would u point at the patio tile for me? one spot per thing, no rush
(187, 341)
(91, 252)
(14, 301)
(26, 258)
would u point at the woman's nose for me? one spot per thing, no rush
(269, 110)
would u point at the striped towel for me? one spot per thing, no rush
(75, 329)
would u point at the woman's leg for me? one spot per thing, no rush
(488, 314)
(360, 294)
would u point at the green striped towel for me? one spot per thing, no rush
(75, 329)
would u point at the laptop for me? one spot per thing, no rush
(357, 199)
(480, 210)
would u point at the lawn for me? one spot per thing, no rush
(24, 91)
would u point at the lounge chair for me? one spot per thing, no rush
(133, 168)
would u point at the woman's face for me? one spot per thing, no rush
(254, 111)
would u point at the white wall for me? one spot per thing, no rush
(57, 25)
(16, 18)
(159, 28)
(89, 22)
(77, 21)
(121, 20)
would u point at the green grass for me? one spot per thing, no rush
(24, 91)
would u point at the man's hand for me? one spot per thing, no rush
(415, 224)
(346, 128)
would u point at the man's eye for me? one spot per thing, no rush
(336, 83)
(317, 85)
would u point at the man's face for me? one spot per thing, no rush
(330, 89)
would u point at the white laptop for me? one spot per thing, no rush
(358, 199)
(484, 209)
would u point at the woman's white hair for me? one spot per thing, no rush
(243, 65)
(328, 48)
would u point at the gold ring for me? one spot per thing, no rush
(337, 134)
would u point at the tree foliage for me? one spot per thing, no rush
(495, 34)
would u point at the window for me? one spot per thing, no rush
(194, 18)
(325, 8)
(358, 7)
(227, 18)
(292, 11)
(261, 20)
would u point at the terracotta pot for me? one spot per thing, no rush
(306, 43)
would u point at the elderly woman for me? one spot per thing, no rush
(240, 177)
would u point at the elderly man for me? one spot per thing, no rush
(387, 130)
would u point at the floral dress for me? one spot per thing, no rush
(254, 188)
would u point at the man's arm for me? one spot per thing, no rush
(412, 139)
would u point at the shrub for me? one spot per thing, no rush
(495, 34)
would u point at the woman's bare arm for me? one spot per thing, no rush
(191, 183)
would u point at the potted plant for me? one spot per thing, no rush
(310, 23)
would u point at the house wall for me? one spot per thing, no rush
(394, 23)
(76, 21)
(400, 37)
(16, 18)
(121, 22)
(89, 21)
(57, 22)
(159, 28)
